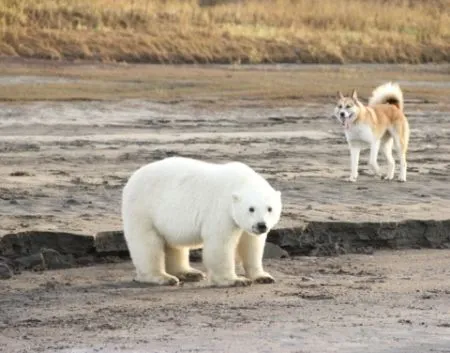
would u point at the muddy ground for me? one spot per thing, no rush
(71, 135)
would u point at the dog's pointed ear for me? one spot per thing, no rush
(354, 95)
(340, 95)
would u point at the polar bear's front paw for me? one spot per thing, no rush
(163, 279)
(171, 281)
(191, 276)
(242, 282)
(232, 282)
(264, 279)
(387, 177)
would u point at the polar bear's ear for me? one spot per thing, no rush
(236, 197)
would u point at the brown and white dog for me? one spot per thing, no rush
(381, 123)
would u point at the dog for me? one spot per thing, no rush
(381, 123)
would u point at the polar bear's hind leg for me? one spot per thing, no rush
(177, 264)
(147, 253)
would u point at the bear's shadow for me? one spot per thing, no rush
(202, 285)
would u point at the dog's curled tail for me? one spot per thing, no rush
(388, 93)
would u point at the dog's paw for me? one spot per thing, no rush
(387, 177)
(351, 179)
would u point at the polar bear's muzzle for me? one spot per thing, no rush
(260, 228)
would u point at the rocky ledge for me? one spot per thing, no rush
(36, 250)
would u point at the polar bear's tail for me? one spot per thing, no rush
(388, 93)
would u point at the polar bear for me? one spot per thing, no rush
(177, 204)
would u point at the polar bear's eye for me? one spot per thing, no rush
(251, 209)
(348, 106)
(269, 209)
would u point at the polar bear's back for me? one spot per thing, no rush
(181, 191)
(174, 174)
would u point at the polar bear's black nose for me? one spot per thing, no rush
(342, 114)
(262, 227)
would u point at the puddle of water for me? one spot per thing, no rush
(337, 67)
(136, 111)
(174, 137)
(9, 80)
(427, 84)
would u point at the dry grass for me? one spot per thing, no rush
(253, 31)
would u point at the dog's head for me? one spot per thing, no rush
(347, 109)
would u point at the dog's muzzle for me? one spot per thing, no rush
(345, 119)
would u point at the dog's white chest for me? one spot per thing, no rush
(360, 133)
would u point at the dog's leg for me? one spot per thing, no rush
(404, 142)
(400, 146)
(402, 157)
(387, 149)
(374, 148)
(354, 160)
(402, 176)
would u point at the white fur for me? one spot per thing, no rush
(389, 89)
(177, 204)
(358, 137)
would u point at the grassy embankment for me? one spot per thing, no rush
(253, 31)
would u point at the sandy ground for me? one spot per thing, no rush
(63, 164)
(391, 302)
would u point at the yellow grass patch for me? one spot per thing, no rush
(255, 31)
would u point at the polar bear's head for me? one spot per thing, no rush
(256, 212)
